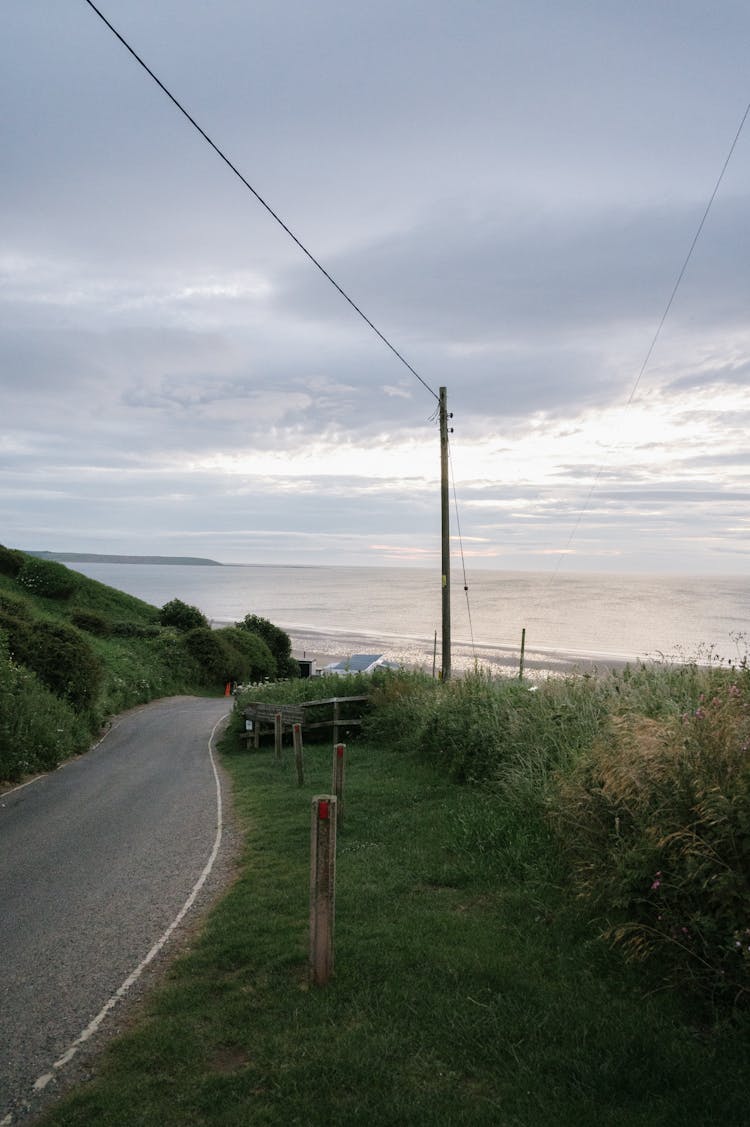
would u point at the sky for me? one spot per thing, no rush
(508, 190)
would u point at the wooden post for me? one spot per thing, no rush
(523, 653)
(277, 729)
(338, 782)
(322, 887)
(336, 714)
(297, 736)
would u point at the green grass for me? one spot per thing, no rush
(468, 987)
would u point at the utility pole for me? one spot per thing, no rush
(445, 533)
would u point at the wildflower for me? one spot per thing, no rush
(657, 882)
(700, 714)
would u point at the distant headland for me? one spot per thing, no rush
(95, 557)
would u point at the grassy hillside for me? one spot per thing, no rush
(74, 651)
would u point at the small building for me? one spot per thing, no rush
(307, 666)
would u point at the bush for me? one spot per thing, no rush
(256, 661)
(655, 821)
(214, 659)
(134, 630)
(181, 616)
(37, 729)
(18, 633)
(277, 640)
(47, 578)
(11, 561)
(14, 607)
(64, 661)
(92, 623)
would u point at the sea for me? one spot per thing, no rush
(553, 623)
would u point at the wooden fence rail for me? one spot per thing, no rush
(258, 714)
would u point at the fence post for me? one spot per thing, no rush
(277, 727)
(523, 654)
(336, 714)
(322, 887)
(338, 782)
(297, 736)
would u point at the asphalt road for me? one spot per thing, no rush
(97, 859)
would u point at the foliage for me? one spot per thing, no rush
(15, 607)
(135, 630)
(64, 661)
(226, 655)
(37, 729)
(91, 622)
(480, 728)
(11, 561)
(18, 633)
(47, 578)
(656, 822)
(182, 616)
(277, 640)
(256, 661)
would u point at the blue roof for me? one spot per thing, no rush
(357, 663)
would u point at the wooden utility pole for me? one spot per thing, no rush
(446, 533)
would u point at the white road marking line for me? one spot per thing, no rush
(122, 990)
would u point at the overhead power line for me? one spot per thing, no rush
(662, 320)
(274, 215)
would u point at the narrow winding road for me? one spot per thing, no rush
(97, 861)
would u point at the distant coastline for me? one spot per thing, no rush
(94, 557)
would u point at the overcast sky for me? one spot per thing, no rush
(508, 189)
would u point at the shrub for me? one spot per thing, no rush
(64, 661)
(181, 616)
(277, 640)
(47, 578)
(214, 658)
(655, 821)
(18, 633)
(11, 561)
(255, 661)
(134, 630)
(37, 729)
(14, 607)
(92, 623)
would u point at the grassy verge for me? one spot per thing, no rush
(467, 988)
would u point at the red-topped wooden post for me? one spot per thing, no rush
(322, 887)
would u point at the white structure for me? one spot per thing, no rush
(357, 663)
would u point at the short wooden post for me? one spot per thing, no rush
(277, 728)
(322, 887)
(338, 782)
(523, 654)
(297, 736)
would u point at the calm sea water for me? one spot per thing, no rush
(335, 611)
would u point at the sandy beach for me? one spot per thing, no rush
(415, 653)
